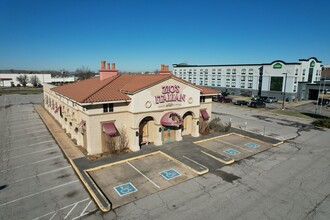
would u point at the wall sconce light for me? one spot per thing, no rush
(160, 129)
(137, 134)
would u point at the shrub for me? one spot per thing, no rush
(217, 125)
(118, 143)
(325, 123)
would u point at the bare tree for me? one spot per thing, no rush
(84, 73)
(34, 80)
(22, 79)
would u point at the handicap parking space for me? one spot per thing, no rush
(235, 146)
(126, 181)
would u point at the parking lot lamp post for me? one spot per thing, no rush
(286, 76)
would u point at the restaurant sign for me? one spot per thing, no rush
(170, 94)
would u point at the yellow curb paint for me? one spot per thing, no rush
(208, 139)
(254, 139)
(82, 179)
(216, 158)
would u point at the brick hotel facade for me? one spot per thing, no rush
(156, 108)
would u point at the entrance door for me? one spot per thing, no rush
(168, 134)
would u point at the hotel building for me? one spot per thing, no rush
(265, 79)
(156, 108)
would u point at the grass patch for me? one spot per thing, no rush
(20, 90)
(289, 112)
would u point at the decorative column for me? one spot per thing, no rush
(195, 127)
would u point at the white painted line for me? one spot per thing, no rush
(41, 174)
(16, 148)
(195, 162)
(34, 194)
(53, 216)
(40, 161)
(43, 130)
(49, 213)
(35, 152)
(67, 215)
(143, 174)
(12, 142)
(82, 213)
(225, 142)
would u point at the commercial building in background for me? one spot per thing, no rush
(156, 108)
(265, 79)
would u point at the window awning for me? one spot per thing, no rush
(109, 128)
(204, 114)
(171, 119)
(57, 109)
(82, 123)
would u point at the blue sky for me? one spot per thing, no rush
(140, 35)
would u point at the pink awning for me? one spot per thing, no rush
(82, 123)
(57, 109)
(109, 128)
(204, 114)
(171, 119)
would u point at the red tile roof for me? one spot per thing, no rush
(116, 88)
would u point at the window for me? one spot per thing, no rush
(250, 71)
(250, 85)
(219, 71)
(276, 83)
(227, 84)
(218, 84)
(242, 85)
(295, 79)
(294, 88)
(108, 107)
(228, 71)
(233, 84)
(243, 71)
(296, 72)
(202, 99)
(242, 78)
(234, 71)
(250, 78)
(233, 78)
(303, 79)
(304, 72)
(227, 78)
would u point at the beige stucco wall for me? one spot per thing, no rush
(127, 115)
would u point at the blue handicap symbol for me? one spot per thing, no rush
(252, 145)
(231, 151)
(170, 174)
(125, 189)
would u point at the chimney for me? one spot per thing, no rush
(107, 73)
(164, 69)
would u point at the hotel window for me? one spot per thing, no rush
(213, 77)
(296, 72)
(304, 72)
(303, 79)
(250, 71)
(233, 78)
(250, 78)
(294, 88)
(234, 71)
(295, 79)
(200, 82)
(219, 71)
(228, 71)
(218, 84)
(243, 71)
(227, 84)
(227, 78)
(242, 78)
(242, 85)
(233, 84)
(250, 85)
(108, 107)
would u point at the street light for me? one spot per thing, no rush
(286, 76)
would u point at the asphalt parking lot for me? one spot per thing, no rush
(36, 181)
(128, 180)
(234, 145)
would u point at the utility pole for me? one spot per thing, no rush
(286, 76)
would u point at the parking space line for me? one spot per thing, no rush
(143, 175)
(37, 193)
(16, 148)
(218, 159)
(41, 174)
(225, 142)
(67, 215)
(53, 216)
(43, 130)
(14, 168)
(194, 162)
(82, 213)
(49, 213)
(23, 155)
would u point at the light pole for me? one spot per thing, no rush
(286, 76)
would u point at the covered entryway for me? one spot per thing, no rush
(171, 123)
(187, 123)
(147, 131)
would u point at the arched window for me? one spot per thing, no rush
(243, 71)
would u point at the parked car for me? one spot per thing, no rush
(257, 104)
(271, 100)
(222, 99)
(259, 98)
(241, 102)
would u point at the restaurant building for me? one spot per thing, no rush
(155, 108)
